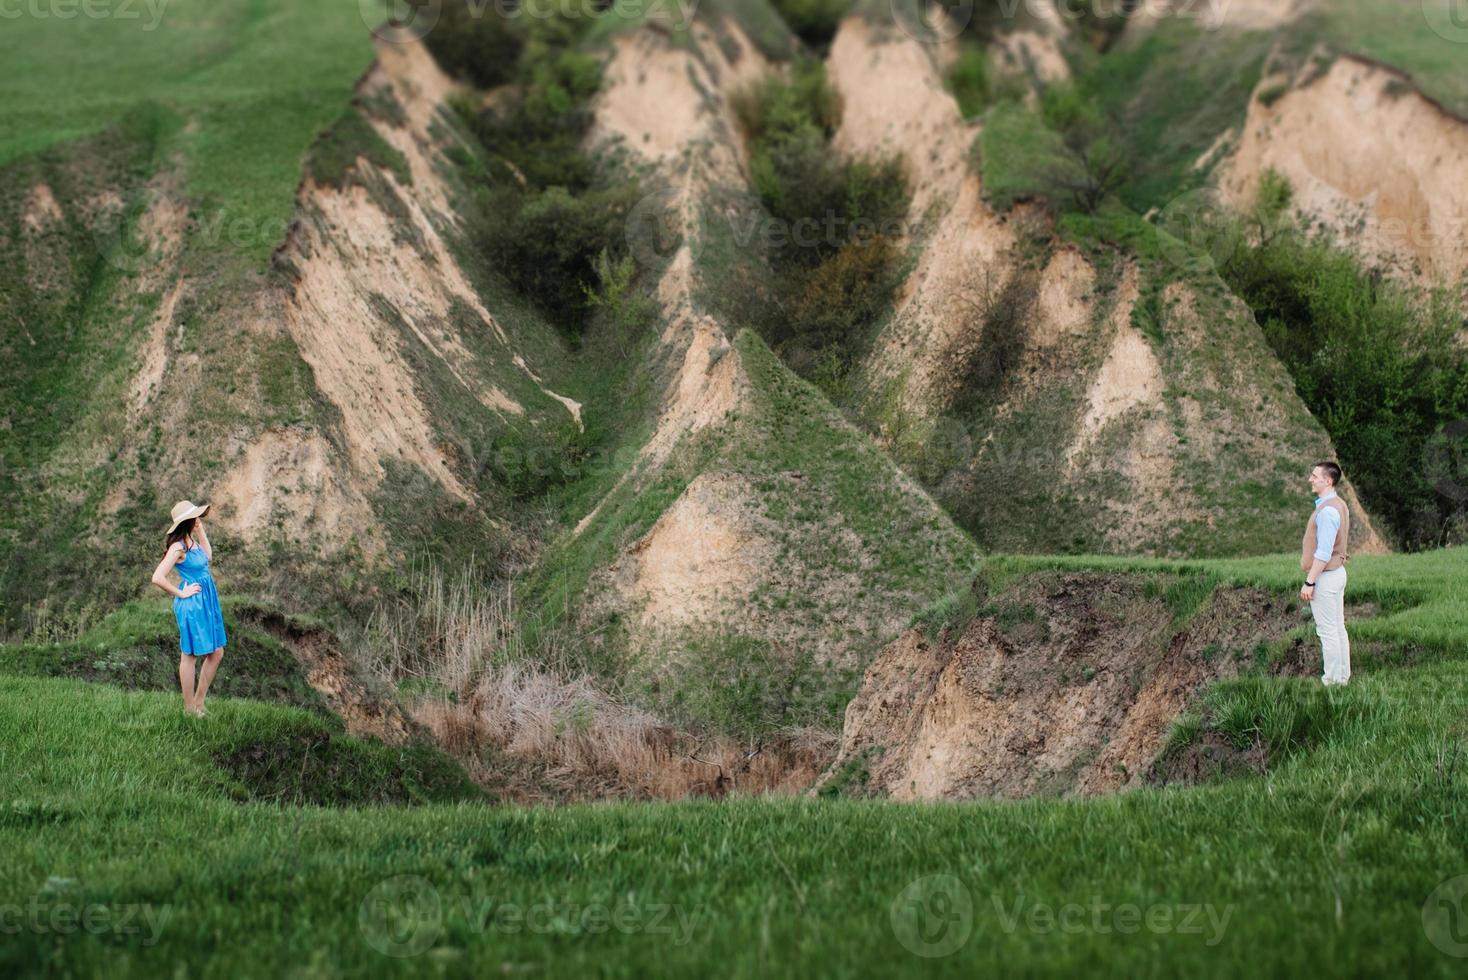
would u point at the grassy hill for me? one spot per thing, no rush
(517, 500)
(1326, 861)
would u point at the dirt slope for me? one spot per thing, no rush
(1370, 159)
(1065, 683)
(376, 273)
(1027, 386)
(720, 558)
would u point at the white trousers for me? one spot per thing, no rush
(1329, 610)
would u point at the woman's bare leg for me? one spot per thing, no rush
(186, 679)
(206, 675)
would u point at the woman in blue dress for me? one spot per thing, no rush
(195, 601)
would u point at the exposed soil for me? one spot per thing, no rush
(1238, 15)
(894, 102)
(530, 737)
(41, 211)
(285, 478)
(700, 560)
(328, 673)
(1066, 683)
(1370, 159)
(155, 350)
(669, 106)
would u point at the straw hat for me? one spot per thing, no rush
(183, 510)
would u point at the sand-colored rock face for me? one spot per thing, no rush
(894, 102)
(1132, 418)
(375, 276)
(352, 256)
(40, 211)
(286, 480)
(1369, 158)
(669, 106)
(1073, 697)
(1130, 378)
(1211, 15)
(701, 559)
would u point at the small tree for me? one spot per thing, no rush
(1091, 165)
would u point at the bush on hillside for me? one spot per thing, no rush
(834, 259)
(547, 243)
(813, 21)
(545, 214)
(1376, 362)
(474, 42)
(968, 80)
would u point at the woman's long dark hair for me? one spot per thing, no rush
(178, 534)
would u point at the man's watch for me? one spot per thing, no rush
(1309, 584)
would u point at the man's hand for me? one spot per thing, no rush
(1307, 592)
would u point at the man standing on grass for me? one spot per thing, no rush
(1323, 560)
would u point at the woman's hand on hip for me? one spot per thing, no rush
(190, 590)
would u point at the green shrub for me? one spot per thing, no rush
(631, 310)
(534, 133)
(834, 262)
(969, 82)
(548, 243)
(473, 42)
(813, 21)
(1376, 362)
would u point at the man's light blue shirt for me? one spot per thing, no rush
(1327, 526)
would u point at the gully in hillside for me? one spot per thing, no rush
(1323, 560)
(195, 601)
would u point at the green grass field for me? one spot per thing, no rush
(115, 800)
(249, 86)
(264, 841)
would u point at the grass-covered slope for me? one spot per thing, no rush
(739, 532)
(1059, 376)
(1332, 861)
(244, 277)
(256, 80)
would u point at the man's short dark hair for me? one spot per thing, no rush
(1332, 470)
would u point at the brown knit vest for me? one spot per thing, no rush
(1338, 554)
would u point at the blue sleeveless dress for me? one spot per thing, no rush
(200, 621)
